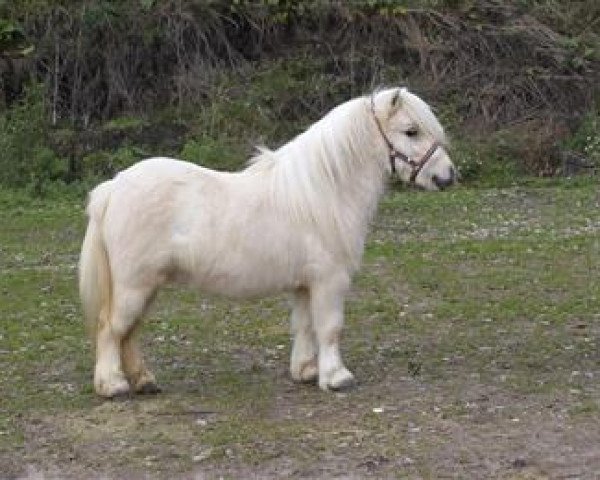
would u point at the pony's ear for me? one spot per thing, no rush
(396, 99)
(395, 102)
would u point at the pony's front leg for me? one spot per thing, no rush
(303, 363)
(327, 308)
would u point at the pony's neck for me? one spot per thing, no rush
(339, 151)
(333, 174)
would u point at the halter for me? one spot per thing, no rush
(394, 154)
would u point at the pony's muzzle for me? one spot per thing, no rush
(447, 181)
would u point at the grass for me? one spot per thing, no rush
(472, 329)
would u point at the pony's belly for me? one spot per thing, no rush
(240, 286)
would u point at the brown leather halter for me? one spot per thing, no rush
(394, 154)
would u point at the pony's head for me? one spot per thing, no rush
(414, 139)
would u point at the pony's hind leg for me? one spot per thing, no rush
(303, 363)
(116, 357)
(140, 378)
(109, 379)
(327, 308)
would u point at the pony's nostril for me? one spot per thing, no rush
(442, 183)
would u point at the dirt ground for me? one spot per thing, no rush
(497, 436)
(475, 345)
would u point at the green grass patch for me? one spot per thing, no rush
(473, 307)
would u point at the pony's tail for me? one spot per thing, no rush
(94, 270)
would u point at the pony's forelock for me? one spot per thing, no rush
(421, 113)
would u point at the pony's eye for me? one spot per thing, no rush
(412, 132)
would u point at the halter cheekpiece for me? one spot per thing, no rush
(394, 154)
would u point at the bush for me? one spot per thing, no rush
(212, 153)
(102, 164)
(25, 159)
(487, 161)
(586, 139)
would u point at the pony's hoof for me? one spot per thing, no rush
(149, 388)
(307, 373)
(144, 383)
(344, 386)
(113, 390)
(341, 380)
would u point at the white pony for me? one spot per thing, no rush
(294, 220)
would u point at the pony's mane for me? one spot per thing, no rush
(263, 159)
(331, 174)
(328, 174)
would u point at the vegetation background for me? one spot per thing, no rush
(473, 326)
(89, 87)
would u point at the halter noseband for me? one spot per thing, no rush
(394, 154)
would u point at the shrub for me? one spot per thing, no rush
(102, 164)
(25, 159)
(586, 139)
(486, 161)
(212, 153)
